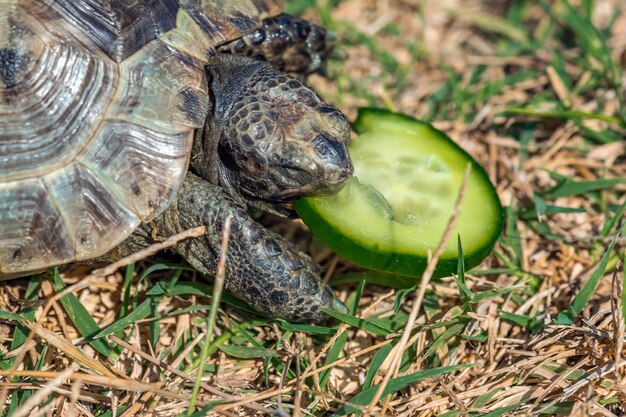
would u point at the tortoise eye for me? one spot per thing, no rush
(328, 147)
(328, 110)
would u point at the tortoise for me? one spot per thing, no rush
(125, 122)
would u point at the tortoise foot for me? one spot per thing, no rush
(287, 42)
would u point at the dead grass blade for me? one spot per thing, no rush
(123, 384)
(618, 298)
(42, 394)
(69, 349)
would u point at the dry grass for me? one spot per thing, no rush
(525, 348)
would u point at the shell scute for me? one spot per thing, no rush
(121, 27)
(144, 170)
(104, 219)
(149, 84)
(49, 116)
(99, 104)
(224, 20)
(32, 231)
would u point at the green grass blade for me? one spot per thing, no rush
(612, 221)
(181, 289)
(245, 334)
(140, 312)
(532, 213)
(377, 361)
(464, 292)
(163, 267)
(307, 328)
(449, 414)
(584, 295)
(365, 397)
(569, 187)
(333, 354)
(484, 399)
(85, 324)
(593, 43)
(363, 324)
(521, 320)
(483, 295)
(20, 333)
(129, 274)
(562, 408)
(352, 302)
(197, 288)
(512, 237)
(444, 337)
(492, 23)
(502, 411)
(154, 325)
(7, 315)
(400, 296)
(599, 136)
(575, 115)
(480, 337)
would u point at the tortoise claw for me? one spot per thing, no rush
(339, 306)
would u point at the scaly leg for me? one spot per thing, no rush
(262, 268)
(287, 42)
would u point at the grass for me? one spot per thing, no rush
(534, 91)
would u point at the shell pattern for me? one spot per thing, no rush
(99, 102)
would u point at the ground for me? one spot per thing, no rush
(534, 90)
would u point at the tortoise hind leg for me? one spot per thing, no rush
(288, 43)
(263, 269)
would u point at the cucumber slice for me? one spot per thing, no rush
(394, 210)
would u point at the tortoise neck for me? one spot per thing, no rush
(227, 76)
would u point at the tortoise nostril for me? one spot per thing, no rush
(346, 171)
(343, 173)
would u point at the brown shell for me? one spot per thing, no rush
(99, 101)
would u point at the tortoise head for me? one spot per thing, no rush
(279, 140)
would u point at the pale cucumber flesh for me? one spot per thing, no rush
(403, 193)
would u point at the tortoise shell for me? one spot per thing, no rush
(99, 101)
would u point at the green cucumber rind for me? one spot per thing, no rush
(400, 263)
(382, 260)
(360, 125)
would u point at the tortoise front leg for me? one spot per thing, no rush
(262, 268)
(287, 42)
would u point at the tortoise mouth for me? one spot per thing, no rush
(324, 180)
(274, 189)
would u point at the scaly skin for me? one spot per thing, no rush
(287, 42)
(266, 271)
(267, 140)
(271, 137)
